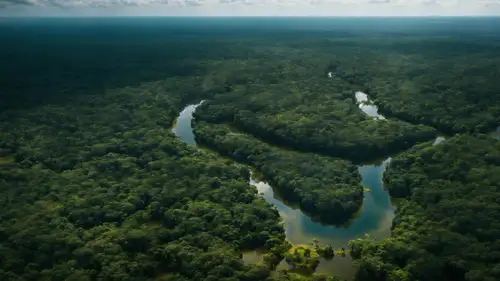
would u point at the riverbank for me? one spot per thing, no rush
(374, 216)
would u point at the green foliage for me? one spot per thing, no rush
(447, 228)
(455, 92)
(326, 252)
(101, 190)
(311, 114)
(303, 257)
(286, 276)
(325, 187)
(93, 186)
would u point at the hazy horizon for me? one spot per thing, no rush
(247, 16)
(231, 8)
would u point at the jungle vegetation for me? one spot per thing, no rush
(311, 114)
(446, 228)
(325, 187)
(303, 257)
(101, 190)
(93, 186)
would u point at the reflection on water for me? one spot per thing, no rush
(182, 127)
(375, 219)
(438, 140)
(366, 106)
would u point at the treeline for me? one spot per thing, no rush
(61, 140)
(87, 56)
(99, 189)
(447, 227)
(327, 188)
(315, 115)
(427, 80)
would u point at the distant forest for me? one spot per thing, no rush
(94, 186)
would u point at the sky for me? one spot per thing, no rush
(73, 8)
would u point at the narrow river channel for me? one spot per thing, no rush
(375, 217)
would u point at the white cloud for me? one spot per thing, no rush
(253, 7)
(81, 3)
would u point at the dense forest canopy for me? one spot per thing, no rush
(94, 186)
(447, 227)
(325, 187)
(311, 114)
(101, 190)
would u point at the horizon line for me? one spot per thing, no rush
(251, 16)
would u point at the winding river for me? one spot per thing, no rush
(183, 128)
(375, 217)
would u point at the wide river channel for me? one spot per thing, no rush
(374, 218)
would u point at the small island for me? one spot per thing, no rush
(307, 257)
(303, 257)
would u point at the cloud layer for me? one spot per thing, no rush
(107, 3)
(262, 7)
(80, 3)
